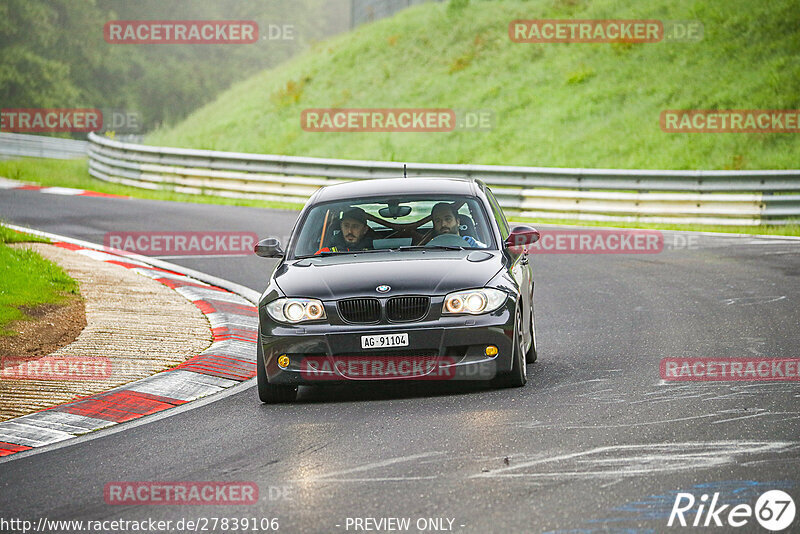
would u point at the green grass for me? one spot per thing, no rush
(28, 280)
(560, 105)
(7, 235)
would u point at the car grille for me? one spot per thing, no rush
(407, 308)
(366, 310)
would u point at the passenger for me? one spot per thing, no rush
(353, 235)
(445, 221)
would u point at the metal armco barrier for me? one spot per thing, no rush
(362, 11)
(681, 197)
(21, 145)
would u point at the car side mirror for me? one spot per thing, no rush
(519, 238)
(268, 248)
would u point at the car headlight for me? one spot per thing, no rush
(473, 301)
(296, 310)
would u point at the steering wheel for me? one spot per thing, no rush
(447, 240)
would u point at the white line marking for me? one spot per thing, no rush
(6, 183)
(62, 191)
(201, 256)
(627, 460)
(626, 425)
(377, 465)
(743, 301)
(750, 416)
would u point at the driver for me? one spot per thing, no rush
(354, 230)
(445, 221)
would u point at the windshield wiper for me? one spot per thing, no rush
(404, 247)
(339, 252)
(431, 247)
(320, 254)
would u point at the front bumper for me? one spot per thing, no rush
(444, 348)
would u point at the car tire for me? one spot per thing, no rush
(518, 376)
(270, 393)
(531, 355)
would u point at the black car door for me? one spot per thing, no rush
(519, 267)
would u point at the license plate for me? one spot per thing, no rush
(384, 341)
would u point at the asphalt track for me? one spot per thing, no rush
(594, 442)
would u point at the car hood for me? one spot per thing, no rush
(407, 272)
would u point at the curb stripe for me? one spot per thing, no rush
(223, 333)
(10, 448)
(119, 407)
(221, 366)
(129, 265)
(18, 432)
(55, 190)
(181, 385)
(184, 282)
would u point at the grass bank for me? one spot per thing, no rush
(593, 105)
(27, 280)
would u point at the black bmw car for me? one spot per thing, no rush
(397, 279)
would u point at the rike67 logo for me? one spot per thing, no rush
(774, 510)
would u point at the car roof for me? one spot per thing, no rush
(396, 186)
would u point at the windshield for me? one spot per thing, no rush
(435, 222)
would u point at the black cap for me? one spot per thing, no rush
(443, 206)
(357, 214)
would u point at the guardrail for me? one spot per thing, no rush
(680, 197)
(39, 146)
(362, 11)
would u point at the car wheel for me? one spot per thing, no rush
(531, 355)
(270, 393)
(519, 373)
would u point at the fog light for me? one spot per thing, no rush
(491, 350)
(283, 361)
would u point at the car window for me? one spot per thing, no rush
(498, 214)
(384, 223)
